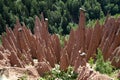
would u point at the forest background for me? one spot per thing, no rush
(62, 14)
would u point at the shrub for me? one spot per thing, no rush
(101, 65)
(57, 74)
(91, 62)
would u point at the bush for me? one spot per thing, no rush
(101, 65)
(57, 74)
(91, 62)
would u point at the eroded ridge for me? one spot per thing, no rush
(21, 48)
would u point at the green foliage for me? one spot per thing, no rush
(91, 23)
(114, 74)
(59, 12)
(91, 62)
(93, 9)
(71, 26)
(111, 6)
(56, 73)
(73, 8)
(62, 39)
(116, 16)
(101, 65)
